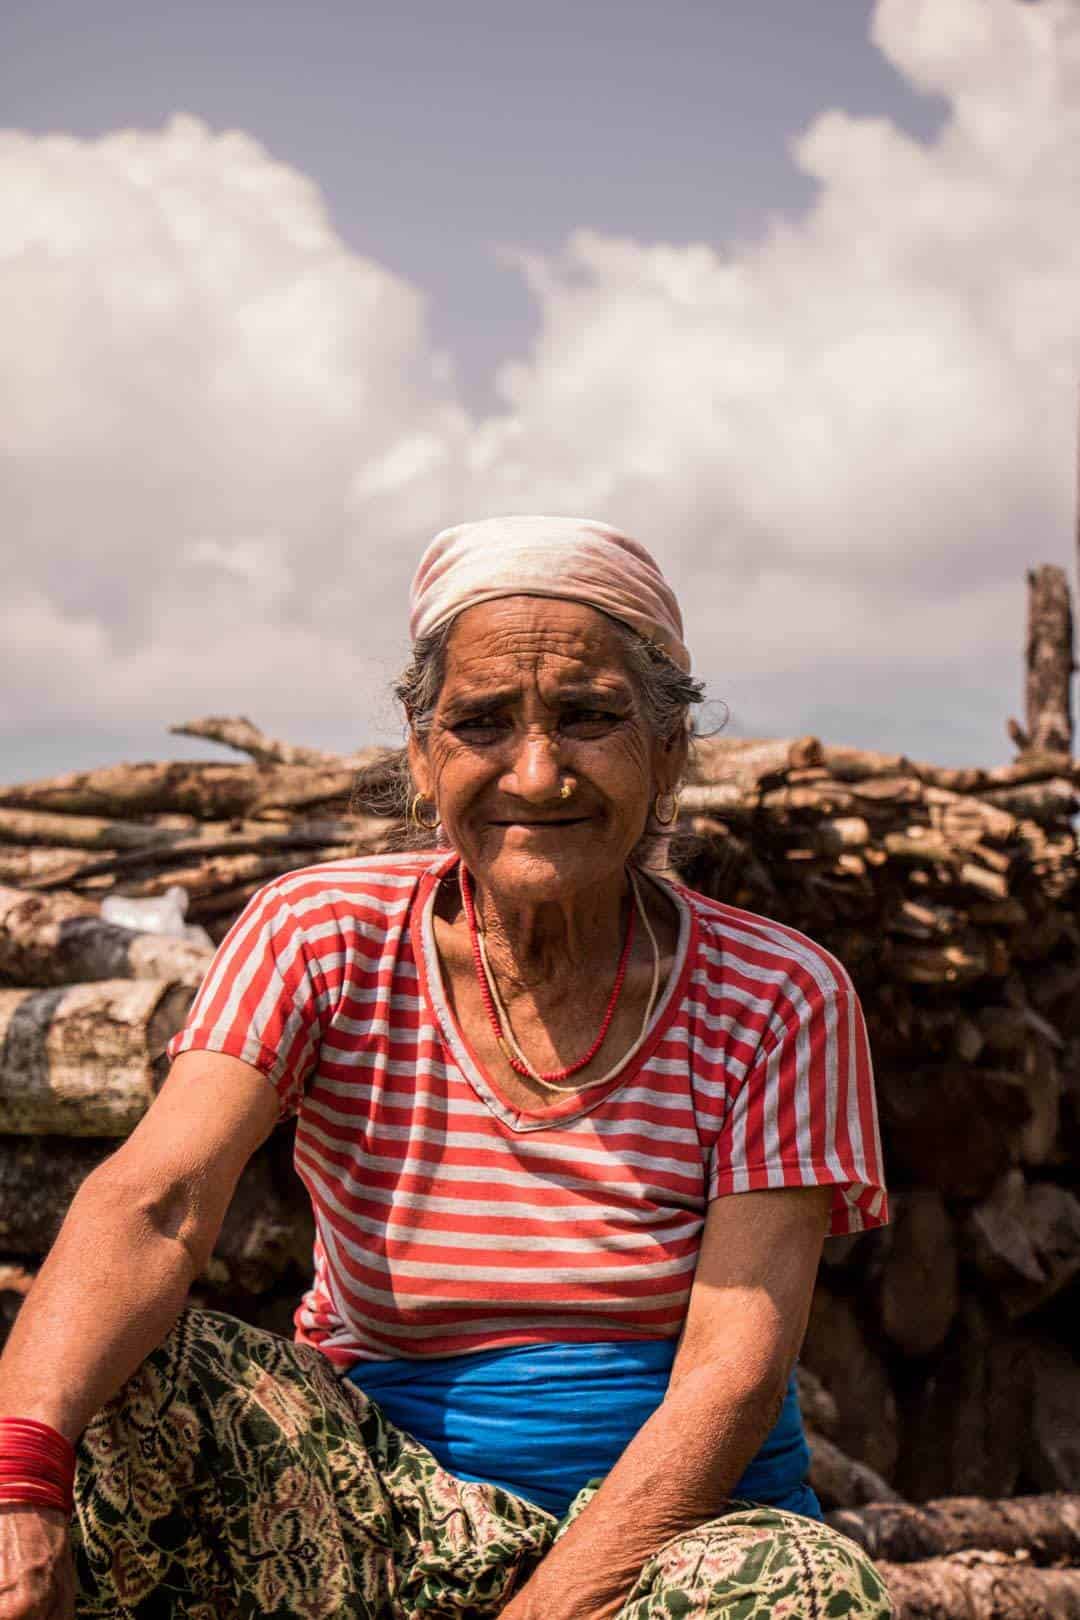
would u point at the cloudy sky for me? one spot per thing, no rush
(790, 292)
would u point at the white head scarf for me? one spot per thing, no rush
(571, 558)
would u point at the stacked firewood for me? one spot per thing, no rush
(940, 1358)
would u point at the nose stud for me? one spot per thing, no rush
(567, 788)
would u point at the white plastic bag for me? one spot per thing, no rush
(161, 914)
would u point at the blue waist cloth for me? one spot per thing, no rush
(541, 1420)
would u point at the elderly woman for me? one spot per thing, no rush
(573, 1136)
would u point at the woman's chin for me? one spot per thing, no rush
(540, 867)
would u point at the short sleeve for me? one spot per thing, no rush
(805, 1114)
(257, 1001)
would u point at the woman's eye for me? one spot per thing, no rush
(591, 718)
(475, 726)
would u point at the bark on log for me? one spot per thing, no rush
(723, 799)
(61, 939)
(839, 1481)
(15, 1284)
(747, 762)
(918, 1298)
(953, 1126)
(962, 961)
(1051, 1456)
(204, 879)
(981, 1586)
(857, 764)
(267, 1231)
(246, 738)
(24, 864)
(1043, 802)
(837, 1352)
(56, 831)
(39, 1176)
(966, 1430)
(265, 1234)
(819, 1409)
(202, 790)
(1048, 718)
(301, 842)
(83, 1061)
(1047, 1528)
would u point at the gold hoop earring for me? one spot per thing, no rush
(669, 820)
(416, 818)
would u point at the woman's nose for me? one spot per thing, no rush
(536, 771)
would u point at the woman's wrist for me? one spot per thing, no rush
(37, 1465)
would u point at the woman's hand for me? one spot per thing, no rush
(37, 1580)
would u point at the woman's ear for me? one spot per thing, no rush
(672, 758)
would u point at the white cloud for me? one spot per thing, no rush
(852, 438)
(198, 378)
(228, 436)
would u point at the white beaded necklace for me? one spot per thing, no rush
(504, 1017)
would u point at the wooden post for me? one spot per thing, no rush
(1048, 726)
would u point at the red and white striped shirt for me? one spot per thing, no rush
(449, 1221)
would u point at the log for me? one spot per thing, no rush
(83, 1061)
(814, 800)
(1043, 802)
(61, 939)
(45, 827)
(953, 1126)
(299, 841)
(919, 1289)
(15, 1284)
(246, 738)
(819, 1409)
(266, 1235)
(917, 844)
(858, 764)
(969, 822)
(837, 1351)
(999, 1242)
(39, 1176)
(1036, 765)
(722, 799)
(267, 1232)
(216, 873)
(201, 790)
(747, 762)
(981, 1586)
(1048, 718)
(839, 1481)
(964, 960)
(1050, 1446)
(917, 919)
(843, 834)
(1046, 1528)
(24, 863)
(965, 1431)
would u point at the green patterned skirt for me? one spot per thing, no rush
(236, 1476)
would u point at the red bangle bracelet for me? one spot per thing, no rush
(31, 1493)
(37, 1464)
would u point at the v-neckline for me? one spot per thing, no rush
(564, 1110)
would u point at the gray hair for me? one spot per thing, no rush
(666, 693)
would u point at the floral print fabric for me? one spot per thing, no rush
(236, 1476)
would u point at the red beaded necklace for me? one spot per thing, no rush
(485, 990)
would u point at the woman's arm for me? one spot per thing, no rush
(747, 1316)
(138, 1232)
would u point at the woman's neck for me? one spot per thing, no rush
(551, 943)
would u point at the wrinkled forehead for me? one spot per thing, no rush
(536, 635)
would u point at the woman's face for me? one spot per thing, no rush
(536, 693)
